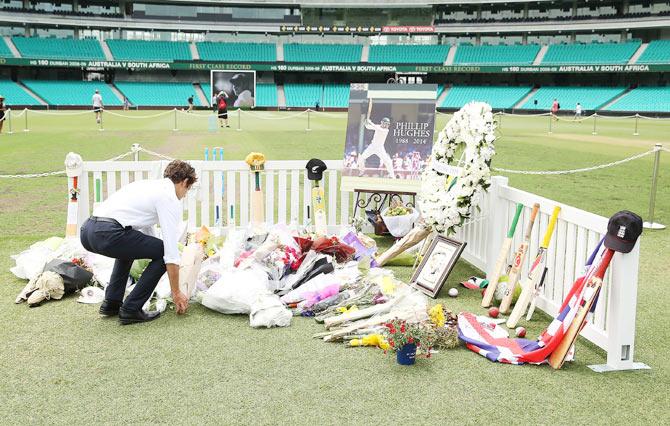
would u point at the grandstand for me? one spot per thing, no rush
(58, 48)
(266, 95)
(322, 53)
(499, 97)
(643, 99)
(141, 50)
(501, 54)
(71, 92)
(591, 53)
(591, 98)
(4, 50)
(335, 95)
(303, 95)
(408, 54)
(158, 94)
(251, 52)
(15, 95)
(657, 52)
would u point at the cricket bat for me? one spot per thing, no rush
(319, 209)
(502, 260)
(531, 309)
(257, 208)
(72, 210)
(534, 274)
(517, 262)
(589, 296)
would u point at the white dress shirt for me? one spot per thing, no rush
(143, 204)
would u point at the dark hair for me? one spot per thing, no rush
(178, 171)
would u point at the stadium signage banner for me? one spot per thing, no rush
(389, 136)
(408, 29)
(348, 67)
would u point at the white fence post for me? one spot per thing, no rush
(496, 221)
(621, 314)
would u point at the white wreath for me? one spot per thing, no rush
(444, 209)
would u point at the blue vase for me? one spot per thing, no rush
(407, 354)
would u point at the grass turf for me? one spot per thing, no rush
(61, 363)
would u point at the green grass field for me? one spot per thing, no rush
(62, 363)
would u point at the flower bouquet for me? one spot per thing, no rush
(399, 219)
(405, 338)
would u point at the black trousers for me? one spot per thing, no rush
(125, 245)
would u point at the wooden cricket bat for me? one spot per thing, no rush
(257, 207)
(534, 274)
(531, 309)
(517, 263)
(319, 209)
(589, 295)
(502, 260)
(72, 209)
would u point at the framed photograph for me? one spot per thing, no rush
(436, 265)
(239, 87)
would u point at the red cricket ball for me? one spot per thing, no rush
(520, 332)
(494, 312)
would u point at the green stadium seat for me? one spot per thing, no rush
(591, 98)
(322, 53)
(266, 95)
(241, 52)
(142, 50)
(4, 49)
(15, 94)
(302, 94)
(498, 97)
(157, 94)
(70, 92)
(58, 48)
(643, 99)
(593, 53)
(335, 95)
(657, 52)
(406, 54)
(508, 55)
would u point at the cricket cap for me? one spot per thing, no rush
(315, 168)
(623, 230)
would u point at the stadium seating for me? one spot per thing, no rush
(408, 54)
(141, 50)
(335, 95)
(497, 96)
(58, 48)
(592, 53)
(4, 50)
(644, 99)
(157, 94)
(591, 98)
(502, 54)
(302, 94)
(657, 52)
(15, 95)
(71, 92)
(248, 52)
(266, 95)
(298, 52)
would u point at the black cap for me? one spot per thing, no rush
(315, 168)
(622, 231)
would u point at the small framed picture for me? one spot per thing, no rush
(436, 265)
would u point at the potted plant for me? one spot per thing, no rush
(404, 338)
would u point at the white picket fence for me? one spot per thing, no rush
(224, 191)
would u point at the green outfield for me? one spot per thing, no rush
(62, 363)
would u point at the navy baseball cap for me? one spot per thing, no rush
(315, 168)
(623, 230)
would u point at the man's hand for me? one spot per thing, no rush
(181, 301)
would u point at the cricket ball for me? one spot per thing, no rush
(520, 332)
(453, 292)
(494, 312)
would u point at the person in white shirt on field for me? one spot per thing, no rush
(97, 106)
(376, 146)
(578, 111)
(120, 228)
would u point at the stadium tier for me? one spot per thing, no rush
(157, 94)
(70, 92)
(141, 50)
(501, 54)
(266, 95)
(643, 99)
(335, 95)
(592, 53)
(58, 48)
(246, 52)
(15, 95)
(657, 52)
(4, 50)
(498, 97)
(349, 53)
(591, 98)
(302, 94)
(408, 54)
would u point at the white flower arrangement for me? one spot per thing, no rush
(444, 209)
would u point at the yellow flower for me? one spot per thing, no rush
(255, 159)
(436, 314)
(371, 340)
(344, 310)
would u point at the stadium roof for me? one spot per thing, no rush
(342, 4)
